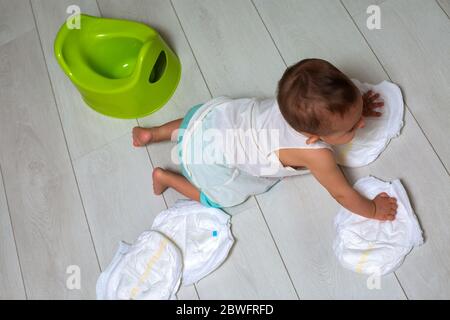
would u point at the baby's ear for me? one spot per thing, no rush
(312, 139)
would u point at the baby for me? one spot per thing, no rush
(255, 143)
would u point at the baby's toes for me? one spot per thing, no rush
(135, 136)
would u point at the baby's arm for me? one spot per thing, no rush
(322, 164)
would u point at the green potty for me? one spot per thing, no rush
(123, 69)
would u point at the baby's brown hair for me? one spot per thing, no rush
(312, 90)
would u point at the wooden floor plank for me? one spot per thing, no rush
(115, 178)
(420, 62)
(362, 6)
(11, 284)
(254, 268)
(85, 129)
(116, 187)
(14, 20)
(333, 38)
(47, 215)
(230, 47)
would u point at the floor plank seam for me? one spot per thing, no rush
(445, 12)
(390, 79)
(137, 122)
(192, 49)
(153, 166)
(112, 141)
(65, 139)
(203, 77)
(13, 233)
(406, 106)
(401, 286)
(201, 73)
(278, 250)
(98, 7)
(268, 31)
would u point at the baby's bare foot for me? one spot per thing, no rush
(142, 136)
(158, 181)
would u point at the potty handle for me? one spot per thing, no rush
(159, 68)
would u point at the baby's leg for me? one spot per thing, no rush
(163, 179)
(143, 136)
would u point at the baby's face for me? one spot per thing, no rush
(346, 126)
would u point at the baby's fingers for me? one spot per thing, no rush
(368, 94)
(386, 217)
(375, 105)
(371, 113)
(373, 97)
(390, 217)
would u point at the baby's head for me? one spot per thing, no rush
(321, 102)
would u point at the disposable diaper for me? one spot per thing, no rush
(371, 140)
(203, 235)
(371, 246)
(186, 243)
(150, 269)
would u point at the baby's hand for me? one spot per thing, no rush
(385, 207)
(370, 103)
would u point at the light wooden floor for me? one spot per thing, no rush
(72, 185)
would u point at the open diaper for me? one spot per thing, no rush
(371, 246)
(187, 242)
(203, 235)
(150, 269)
(371, 140)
